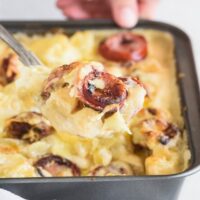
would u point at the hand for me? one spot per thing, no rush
(124, 12)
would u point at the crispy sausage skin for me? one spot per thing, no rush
(54, 165)
(29, 126)
(123, 47)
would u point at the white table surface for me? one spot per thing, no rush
(182, 13)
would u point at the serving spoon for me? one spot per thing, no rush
(25, 56)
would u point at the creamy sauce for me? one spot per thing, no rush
(157, 72)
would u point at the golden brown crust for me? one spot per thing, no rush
(153, 126)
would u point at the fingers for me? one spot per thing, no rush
(125, 12)
(75, 12)
(147, 8)
(63, 3)
(72, 9)
(83, 9)
(97, 8)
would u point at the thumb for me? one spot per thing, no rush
(125, 12)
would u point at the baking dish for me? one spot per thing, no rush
(141, 187)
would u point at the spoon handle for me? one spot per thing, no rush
(26, 57)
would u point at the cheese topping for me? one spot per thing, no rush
(86, 142)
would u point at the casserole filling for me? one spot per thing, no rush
(105, 103)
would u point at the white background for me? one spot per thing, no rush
(182, 13)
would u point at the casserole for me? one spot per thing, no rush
(128, 185)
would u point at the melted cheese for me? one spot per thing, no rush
(156, 71)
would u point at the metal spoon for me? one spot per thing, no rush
(26, 57)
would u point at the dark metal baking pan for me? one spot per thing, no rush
(129, 187)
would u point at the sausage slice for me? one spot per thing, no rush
(54, 165)
(100, 89)
(123, 47)
(28, 126)
(116, 168)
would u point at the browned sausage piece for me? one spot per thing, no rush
(8, 69)
(100, 89)
(116, 168)
(56, 78)
(122, 47)
(54, 165)
(29, 126)
(155, 126)
(52, 80)
(170, 132)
